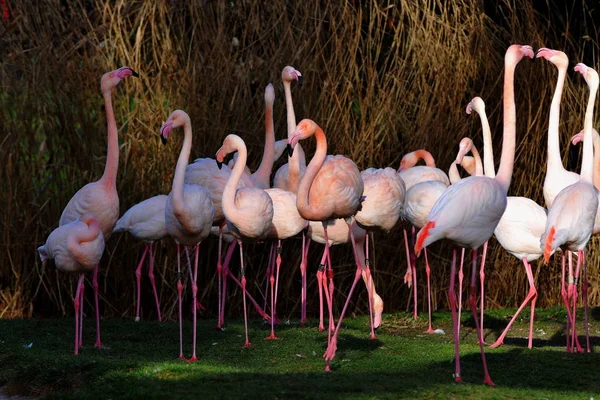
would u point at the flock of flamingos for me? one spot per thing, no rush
(330, 201)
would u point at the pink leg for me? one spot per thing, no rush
(574, 299)
(153, 283)
(369, 282)
(532, 295)
(81, 302)
(329, 277)
(455, 322)
(408, 275)
(268, 274)
(321, 284)
(329, 300)
(76, 305)
(219, 279)
(460, 289)
(227, 274)
(138, 278)
(95, 284)
(481, 281)
(472, 300)
(243, 273)
(565, 296)
(179, 296)
(428, 272)
(303, 264)
(413, 266)
(194, 297)
(274, 295)
(278, 264)
(584, 289)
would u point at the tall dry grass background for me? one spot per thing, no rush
(382, 78)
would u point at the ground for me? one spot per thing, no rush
(36, 359)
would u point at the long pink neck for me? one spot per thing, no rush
(112, 156)
(510, 125)
(488, 148)
(596, 141)
(554, 158)
(425, 156)
(228, 202)
(478, 165)
(587, 163)
(312, 169)
(298, 159)
(182, 163)
(262, 175)
(75, 241)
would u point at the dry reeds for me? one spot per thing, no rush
(382, 78)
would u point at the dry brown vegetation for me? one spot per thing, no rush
(382, 78)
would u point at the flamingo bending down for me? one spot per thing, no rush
(100, 198)
(330, 188)
(572, 215)
(189, 213)
(145, 221)
(75, 247)
(468, 212)
(248, 211)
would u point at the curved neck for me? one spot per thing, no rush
(262, 175)
(182, 162)
(453, 174)
(228, 200)
(554, 158)
(112, 155)
(298, 158)
(75, 240)
(510, 125)
(312, 169)
(587, 166)
(488, 148)
(425, 156)
(478, 165)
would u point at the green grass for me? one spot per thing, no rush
(403, 363)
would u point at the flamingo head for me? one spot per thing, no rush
(577, 138)
(177, 119)
(516, 52)
(476, 105)
(464, 147)
(269, 94)
(230, 145)
(589, 74)
(111, 79)
(306, 128)
(411, 159)
(290, 74)
(556, 57)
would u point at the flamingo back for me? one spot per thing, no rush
(419, 201)
(287, 221)
(384, 193)
(145, 220)
(192, 225)
(422, 173)
(253, 216)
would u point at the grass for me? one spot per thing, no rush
(402, 363)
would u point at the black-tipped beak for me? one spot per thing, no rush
(163, 139)
(133, 73)
(289, 150)
(219, 164)
(300, 80)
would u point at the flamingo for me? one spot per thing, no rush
(330, 188)
(248, 211)
(75, 247)
(557, 177)
(519, 229)
(189, 213)
(572, 215)
(145, 221)
(468, 212)
(100, 198)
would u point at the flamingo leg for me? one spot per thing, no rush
(219, 279)
(268, 274)
(138, 278)
(303, 264)
(532, 295)
(179, 296)
(408, 275)
(328, 297)
(584, 289)
(95, 284)
(460, 289)
(81, 297)
(77, 305)
(272, 280)
(243, 274)
(565, 296)
(413, 266)
(194, 299)
(368, 278)
(278, 264)
(329, 277)
(320, 285)
(226, 274)
(572, 292)
(153, 283)
(455, 322)
(487, 379)
(428, 272)
(574, 298)
(481, 282)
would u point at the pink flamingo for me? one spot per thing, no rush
(189, 213)
(519, 229)
(412, 174)
(75, 247)
(330, 188)
(145, 221)
(100, 198)
(557, 177)
(572, 215)
(468, 212)
(248, 211)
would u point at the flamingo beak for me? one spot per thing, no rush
(300, 80)
(219, 164)
(289, 149)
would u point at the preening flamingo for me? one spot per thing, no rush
(100, 198)
(572, 215)
(330, 188)
(75, 247)
(468, 212)
(189, 213)
(145, 221)
(248, 211)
